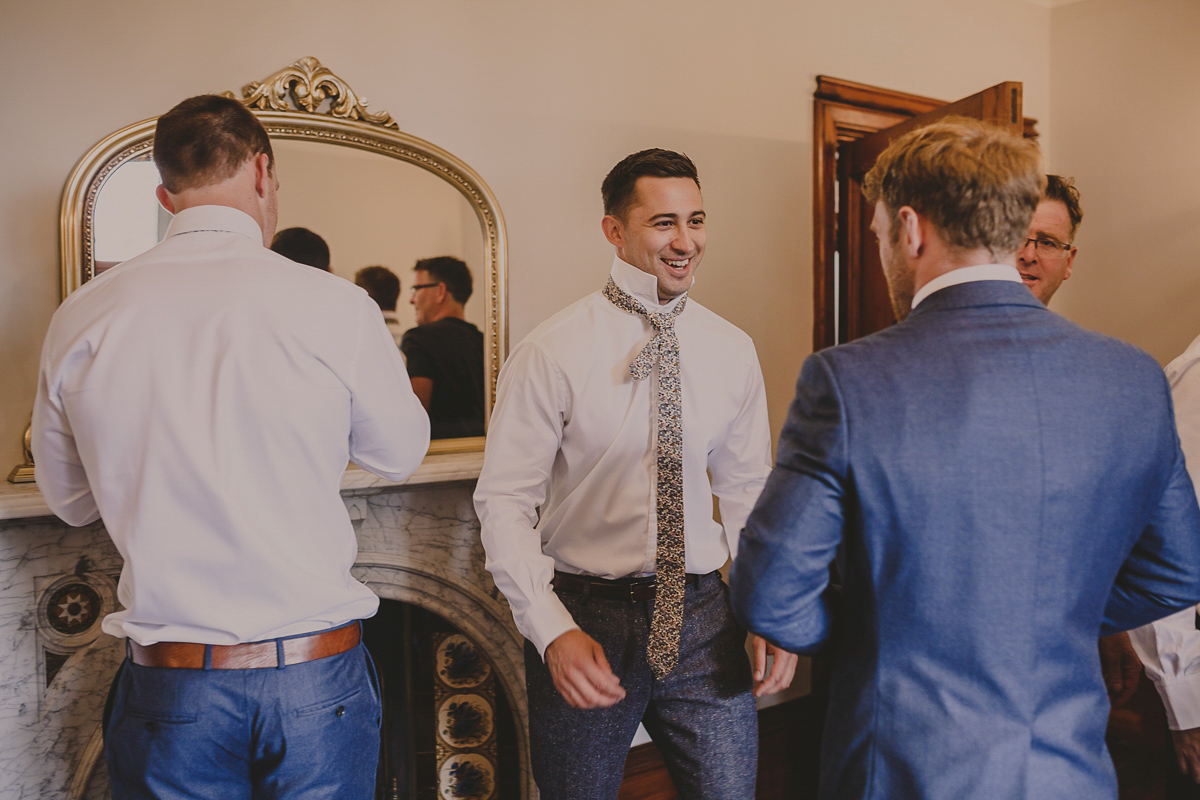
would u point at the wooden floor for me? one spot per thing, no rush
(789, 740)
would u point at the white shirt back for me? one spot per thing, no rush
(204, 399)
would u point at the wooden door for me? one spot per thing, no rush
(865, 302)
(853, 125)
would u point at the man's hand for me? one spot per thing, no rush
(783, 669)
(1120, 667)
(581, 672)
(1187, 752)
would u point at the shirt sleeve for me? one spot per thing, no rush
(389, 429)
(780, 578)
(59, 472)
(522, 443)
(417, 356)
(1170, 648)
(739, 465)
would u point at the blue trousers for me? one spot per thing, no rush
(702, 715)
(300, 732)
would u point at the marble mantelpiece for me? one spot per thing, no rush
(418, 543)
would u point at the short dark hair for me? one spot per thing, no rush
(1063, 190)
(302, 246)
(381, 283)
(451, 271)
(619, 185)
(205, 140)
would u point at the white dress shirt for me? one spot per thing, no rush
(569, 470)
(978, 272)
(1170, 648)
(204, 398)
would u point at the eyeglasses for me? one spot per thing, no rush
(413, 289)
(1046, 246)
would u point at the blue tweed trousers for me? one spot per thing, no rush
(702, 715)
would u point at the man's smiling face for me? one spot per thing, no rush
(662, 233)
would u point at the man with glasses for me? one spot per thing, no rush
(1045, 259)
(445, 352)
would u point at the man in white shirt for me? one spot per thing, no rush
(203, 400)
(595, 501)
(384, 287)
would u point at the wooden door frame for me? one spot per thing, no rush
(844, 111)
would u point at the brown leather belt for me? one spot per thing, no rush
(629, 589)
(251, 655)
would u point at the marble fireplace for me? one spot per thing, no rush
(418, 544)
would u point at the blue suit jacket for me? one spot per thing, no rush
(1000, 487)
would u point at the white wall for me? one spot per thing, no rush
(1125, 88)
(541, 97)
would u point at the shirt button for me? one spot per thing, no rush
(341, 711)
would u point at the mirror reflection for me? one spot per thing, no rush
(371, 210)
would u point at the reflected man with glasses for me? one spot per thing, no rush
(1045, 259)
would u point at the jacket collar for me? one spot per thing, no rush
(975, 294)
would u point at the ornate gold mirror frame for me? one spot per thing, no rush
(305, 101)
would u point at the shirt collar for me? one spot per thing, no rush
(979, 272)
(215, 218)
(642, 286)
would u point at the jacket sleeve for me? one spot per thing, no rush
(1170, 647)
(1162, 573)
(780, 579)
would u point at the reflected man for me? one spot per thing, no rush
(999, 487)
(384, 287)
(302, 246)
(203, 399)
(444, 352)
(616, 423)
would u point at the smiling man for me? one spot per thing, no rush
(616, 423)
(1045, 259)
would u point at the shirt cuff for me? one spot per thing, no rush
(1181, 699)
(546, 621)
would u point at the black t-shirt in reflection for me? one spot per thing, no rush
(450, 353)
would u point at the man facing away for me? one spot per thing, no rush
(596, 505)
(444, 352)
(998, 486)
(208, 424)
(384, 288)
(302, 246)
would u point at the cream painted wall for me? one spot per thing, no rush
(541, 97)
(1126, 105)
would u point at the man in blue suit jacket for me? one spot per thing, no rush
(998, 487)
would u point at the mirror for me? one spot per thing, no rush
(376, 195)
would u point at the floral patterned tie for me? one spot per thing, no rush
(662, 651)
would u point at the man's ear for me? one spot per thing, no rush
(912, 231)
(164, 199)
(612, 230)
(262, 174)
